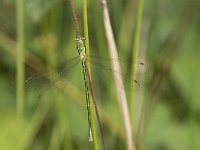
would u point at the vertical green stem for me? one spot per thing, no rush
(92, 108)
(20, 59)
(20, 67)
(136, 41)
(86, 27)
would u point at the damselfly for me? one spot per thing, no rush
(82, 53)
(100, 64)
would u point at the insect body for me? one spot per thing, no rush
(80, 45)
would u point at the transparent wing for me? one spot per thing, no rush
(40, 86)
(50, 74)
(102, 74)
(104, 64)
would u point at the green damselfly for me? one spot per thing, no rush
(82, 53)
(96, 60)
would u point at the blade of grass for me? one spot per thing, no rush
(20, 67)
(136, 41)
(20, 58)
(118, 79)
(93, 107)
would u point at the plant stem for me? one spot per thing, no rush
(136, 41)
(20, 59)
(117, 78)
(92, 107)
(20, 69)
(86, 28)
(75, 17)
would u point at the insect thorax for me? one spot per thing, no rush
(80, 45)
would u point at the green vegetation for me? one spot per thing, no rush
(42, 102)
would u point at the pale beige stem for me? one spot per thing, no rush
(117, 77)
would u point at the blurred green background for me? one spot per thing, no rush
(167, 106)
